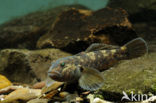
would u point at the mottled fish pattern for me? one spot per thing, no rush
(100, 60)
(85, 67)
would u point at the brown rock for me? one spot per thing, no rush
(23, 32)
(49, 92)
(139, 10)
(52, 87)
(26, 66)
(111, 26)
(74, 29)
(63, 94)
(39, 85)
(23, 94)
(19, 36)
(65, 30)
(38, 101)
(9, 89)
(141, 14)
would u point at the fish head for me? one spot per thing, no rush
(64, 71)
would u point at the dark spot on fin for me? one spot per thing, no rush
(100, 46)
(135, 48)
(91, 79)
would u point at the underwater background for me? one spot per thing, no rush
(13, 8)
(34, 34)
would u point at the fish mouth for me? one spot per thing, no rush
(54, 74)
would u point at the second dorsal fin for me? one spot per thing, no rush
(100, 46)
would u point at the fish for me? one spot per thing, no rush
(86, 67)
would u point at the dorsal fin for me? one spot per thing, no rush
(100, 46)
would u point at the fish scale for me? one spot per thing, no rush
(85, 67)
(100, 59)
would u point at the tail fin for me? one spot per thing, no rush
(136, 48)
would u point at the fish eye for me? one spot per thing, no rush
(62, 64)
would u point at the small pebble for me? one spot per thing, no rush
(63, 94)
(39, 85)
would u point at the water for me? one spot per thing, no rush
(13, 8)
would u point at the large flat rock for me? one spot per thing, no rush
(26, 66)
(137, 75)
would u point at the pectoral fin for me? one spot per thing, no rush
(91, 79)
(100, 46)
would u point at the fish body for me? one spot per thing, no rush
(85, 67)
(101, 59)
